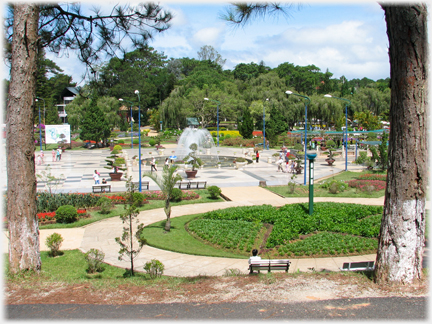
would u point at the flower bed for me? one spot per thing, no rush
(367, 185)
(158, 195)
(49, 218)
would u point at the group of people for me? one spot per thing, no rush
(56, 154)
(96, 178)
(290, 165)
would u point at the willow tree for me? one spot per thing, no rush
(55, 27)
(402, 234)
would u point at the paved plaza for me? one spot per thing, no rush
(77, 167)
(241, 187)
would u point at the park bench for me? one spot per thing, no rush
(358, 266)
(144, 184)
(182, 184)
(197, 184)
(269, 265)
(102, 188)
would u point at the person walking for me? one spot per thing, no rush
(279, 164)
(59, 153)
(257, 157)
(53, 153)
(96, 177)
(42, 156)
(39, 160)
(166, 165)
(153, 164)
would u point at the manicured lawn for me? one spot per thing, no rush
(334, 229)
(179, 240)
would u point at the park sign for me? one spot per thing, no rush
(55, 134)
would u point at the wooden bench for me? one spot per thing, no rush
(182, 184)
(358, 266)
(101, 188)
(197, 184)
(144, 184)
(269, 265)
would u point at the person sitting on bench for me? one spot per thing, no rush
(254, 256)
(104, 181)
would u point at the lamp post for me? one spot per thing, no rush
(264, 144)
(40, 127)
(305, 140)
(139, 138)
(346, 127)
(120, 99)
(311, 157)
(217, 118)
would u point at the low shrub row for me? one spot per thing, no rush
(291, 221)
(228, 234)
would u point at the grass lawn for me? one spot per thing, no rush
(303, 191)
(118, 209)
(179, 240)
(71, 268)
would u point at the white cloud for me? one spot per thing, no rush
(208, 36)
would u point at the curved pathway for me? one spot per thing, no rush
(101, 235)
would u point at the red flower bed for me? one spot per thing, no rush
(50, 217)
(117, 199)
(366, 185)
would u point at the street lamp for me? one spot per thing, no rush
(346, 127)
(139, 138)
(40, 127)
(217, 118)
(120, 99)
(305, 141)
(264, 144)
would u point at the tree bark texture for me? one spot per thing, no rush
(402, 233)
(21, 192)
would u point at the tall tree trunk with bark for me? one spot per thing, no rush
(21, 191)
(402, 234)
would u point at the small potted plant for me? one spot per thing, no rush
(193, 160)
(114, 163)
(331, 147)
(240, 162)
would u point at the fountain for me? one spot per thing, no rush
(207, 150)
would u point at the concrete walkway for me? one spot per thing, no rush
(101, 235)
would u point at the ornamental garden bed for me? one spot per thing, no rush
(334, 229)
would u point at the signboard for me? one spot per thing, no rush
(57, 133)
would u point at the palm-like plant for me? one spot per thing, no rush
(192, 158)
(166, 183)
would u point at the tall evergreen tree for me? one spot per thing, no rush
(246, 126)
(94, 126)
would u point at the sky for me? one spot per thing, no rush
(348, 39)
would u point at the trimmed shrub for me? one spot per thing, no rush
(66, 214)
(214, 192)
(105, 204)
(154, 268)
(117, 148)
(176, 195)
(152, 142)
(120, 141)
(138, 199)
(94, 258)
(136, 140)
(53, 242)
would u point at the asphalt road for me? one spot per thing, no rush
(394, 308)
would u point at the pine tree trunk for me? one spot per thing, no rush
(402, 234)
(21, 191)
